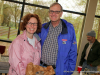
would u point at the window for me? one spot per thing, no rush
(43, 13)
(74, 5)
(41, 2)
(74, 12)
(98, 8)
(96, 25)
(9, 19)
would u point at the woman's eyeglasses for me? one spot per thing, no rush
(34, 24)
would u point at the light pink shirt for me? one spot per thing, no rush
(21, 53)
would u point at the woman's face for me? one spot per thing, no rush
(31, 26)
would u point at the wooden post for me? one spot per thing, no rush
(9, 32)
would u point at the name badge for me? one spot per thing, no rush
(64, 41)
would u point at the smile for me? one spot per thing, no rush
(31, 29)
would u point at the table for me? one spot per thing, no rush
(4, 67)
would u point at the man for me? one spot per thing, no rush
(90, 58)
(58, 41)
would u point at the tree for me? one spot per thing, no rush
(43, 13)
(11, 13)
(97, 21)
(6, 14)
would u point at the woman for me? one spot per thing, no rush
(26, 47)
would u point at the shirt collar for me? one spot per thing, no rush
(64, 27)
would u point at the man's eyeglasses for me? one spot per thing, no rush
(34, 24)
(56, 12)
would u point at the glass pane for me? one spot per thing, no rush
(98, 8)
(9, 20)
(96, 28)
(41, 2)
(77, 21)
(43, 13)
(15, 0)
(74, 5)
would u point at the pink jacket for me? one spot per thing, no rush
(21, 53)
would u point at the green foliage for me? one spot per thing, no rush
(12, 12)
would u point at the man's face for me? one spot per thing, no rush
(55, 13)
(90, 39)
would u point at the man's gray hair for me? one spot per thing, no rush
(56, 4)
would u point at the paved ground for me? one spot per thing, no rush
(75, 73)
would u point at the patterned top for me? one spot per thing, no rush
(50, 46)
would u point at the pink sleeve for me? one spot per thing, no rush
(15, 58)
